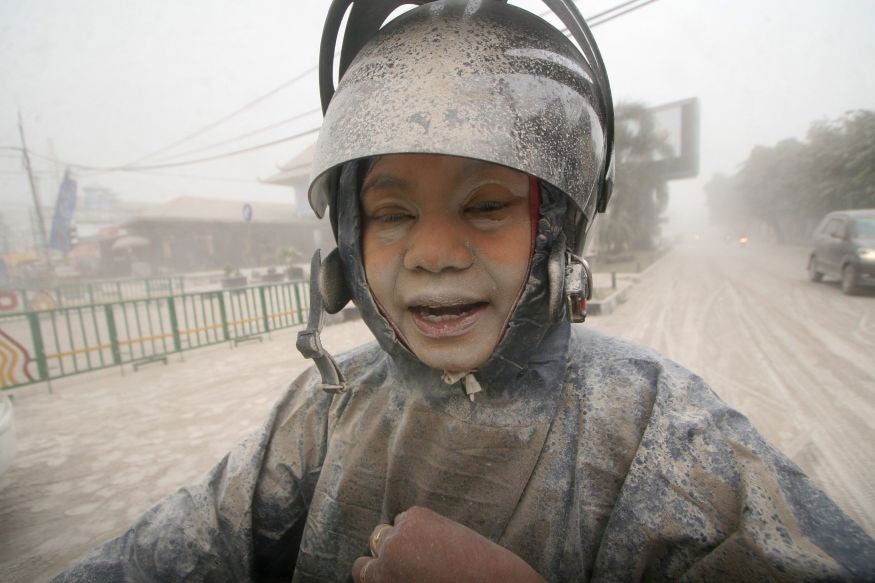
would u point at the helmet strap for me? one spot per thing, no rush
(309, 342)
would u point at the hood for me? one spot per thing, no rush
(536, 321)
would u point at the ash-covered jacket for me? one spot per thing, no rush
(589, 457)
(621, 466)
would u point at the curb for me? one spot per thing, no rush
(610, 303)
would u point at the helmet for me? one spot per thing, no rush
(478, 78)
(472, 78)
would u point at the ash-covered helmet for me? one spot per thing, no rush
(479, 79)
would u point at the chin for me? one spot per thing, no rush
(458, 358)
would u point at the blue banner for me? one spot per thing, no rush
(65, 206)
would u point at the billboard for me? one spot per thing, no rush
(678, 124)
(65, 206)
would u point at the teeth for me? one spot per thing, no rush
(443, 313)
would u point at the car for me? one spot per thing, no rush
(844, 246)
(7, 433)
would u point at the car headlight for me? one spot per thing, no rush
(866, 254)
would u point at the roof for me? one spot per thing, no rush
(296, 170)
(189, 208)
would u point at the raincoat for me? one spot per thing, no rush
(590, 457)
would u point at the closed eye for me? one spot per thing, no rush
(485, 207)
(391, 218)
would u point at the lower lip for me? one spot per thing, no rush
(450, 327)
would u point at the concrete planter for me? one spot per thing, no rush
(233, 282)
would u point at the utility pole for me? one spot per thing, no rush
(36, 202)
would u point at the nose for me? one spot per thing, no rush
(437, 244)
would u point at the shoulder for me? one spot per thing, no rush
(607, 363)
(591, 346)
(305, 395)
(363, 362)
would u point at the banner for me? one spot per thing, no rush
(64, 208)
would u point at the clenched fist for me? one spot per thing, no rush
(425, 546)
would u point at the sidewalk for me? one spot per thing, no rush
(103, 448)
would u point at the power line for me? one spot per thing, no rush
(215, 157)
(176, 164)
(609, 14)
(612, 9)
(633, 9)
(223, 119)
(241, 136)
(193, 176)
(598, 14)
(619, 14)
(134, 166)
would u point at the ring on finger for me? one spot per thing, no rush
(376, 536)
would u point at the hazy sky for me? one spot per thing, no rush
(103, 82)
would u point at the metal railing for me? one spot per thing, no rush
(44, 345)
(84, 294)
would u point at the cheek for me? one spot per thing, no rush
(510, 247)
(381, 261)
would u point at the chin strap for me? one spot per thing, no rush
(310, 344)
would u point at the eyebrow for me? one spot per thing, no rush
(380, 180)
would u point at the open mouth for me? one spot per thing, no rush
(444, 313)
(446, 320)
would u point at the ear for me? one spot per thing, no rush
(332, 285)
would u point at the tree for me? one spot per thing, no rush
(633, 220)
(791, 185)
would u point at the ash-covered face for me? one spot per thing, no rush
(446, 244)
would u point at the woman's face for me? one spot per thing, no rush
(446, 245)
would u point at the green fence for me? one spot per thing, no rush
(43, 345)
(85, 294)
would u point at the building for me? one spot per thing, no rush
(190, 234)
(296, 174)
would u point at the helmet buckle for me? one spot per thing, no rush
(578, 286)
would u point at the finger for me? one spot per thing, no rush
(363, 570)
(378, 538)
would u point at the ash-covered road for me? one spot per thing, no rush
(797, 358)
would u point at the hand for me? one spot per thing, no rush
(425, 546)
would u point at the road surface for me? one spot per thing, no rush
(796, 357)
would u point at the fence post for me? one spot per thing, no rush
(38, 347)
(148, 291)
(224, 315)
(91, 293)
(296, 287)
(113, 334)
(264, 309)
(174, 324)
